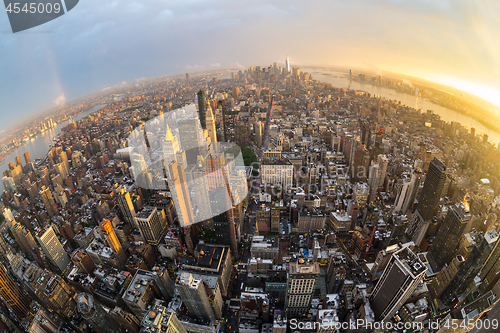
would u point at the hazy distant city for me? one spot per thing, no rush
(256, 200)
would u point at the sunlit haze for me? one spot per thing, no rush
(487, 93)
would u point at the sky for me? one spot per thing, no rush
(101, 43)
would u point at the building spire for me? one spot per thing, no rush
(169, 136)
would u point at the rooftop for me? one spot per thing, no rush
(145, 212)
(261, 242)
(304, 267)
(137, 286)
(410, 261)
(207, 259)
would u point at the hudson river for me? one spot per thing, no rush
(39, 145)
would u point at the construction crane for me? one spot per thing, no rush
(182, 246)
(370, 243)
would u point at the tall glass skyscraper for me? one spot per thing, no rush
(433, 186)
(202, 108)
(12, 295)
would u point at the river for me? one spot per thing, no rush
(339, 80)
(38, 146)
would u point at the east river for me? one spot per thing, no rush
(338, 79)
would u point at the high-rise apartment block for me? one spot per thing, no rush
(152, 224)
(48, 202)
(54, 251)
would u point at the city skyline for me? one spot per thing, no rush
(223, 167)
(335, 204)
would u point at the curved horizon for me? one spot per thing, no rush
(97, 44)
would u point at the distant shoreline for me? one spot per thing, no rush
(491, 125)
(5, 154)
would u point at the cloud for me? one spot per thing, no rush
(103, 43)
(60, 101)
(237, 65)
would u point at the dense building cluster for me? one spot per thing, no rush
(239, 203)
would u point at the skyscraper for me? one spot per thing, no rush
(401, 277)
(170, 147)
(449, 234)
(445, 276)
(48, 202)
(188, 78)
(190, 138)
(18, 160)
(125, 204)
(194, 296)
(302, 279)
(177, 183)
(9, 184)
(417, 228)
(12, 295)
(161, 319)
(471, 267)
(54, 251)
(152, 224)
(373, 180)
(241, 133)
(259, 132)
(210, 122)
(202, 108)
(27, 158)
(383, 162)
(489, 272)
(225, 232)
(216, 170)
(221, 120)
(164, 282)
(433, 186)
(221, 200)
(24, 238)
(113, 240)
(95, 314)
(198, 184)
(360, 164)
(416, 178)
(403, 194)
(287, 65)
